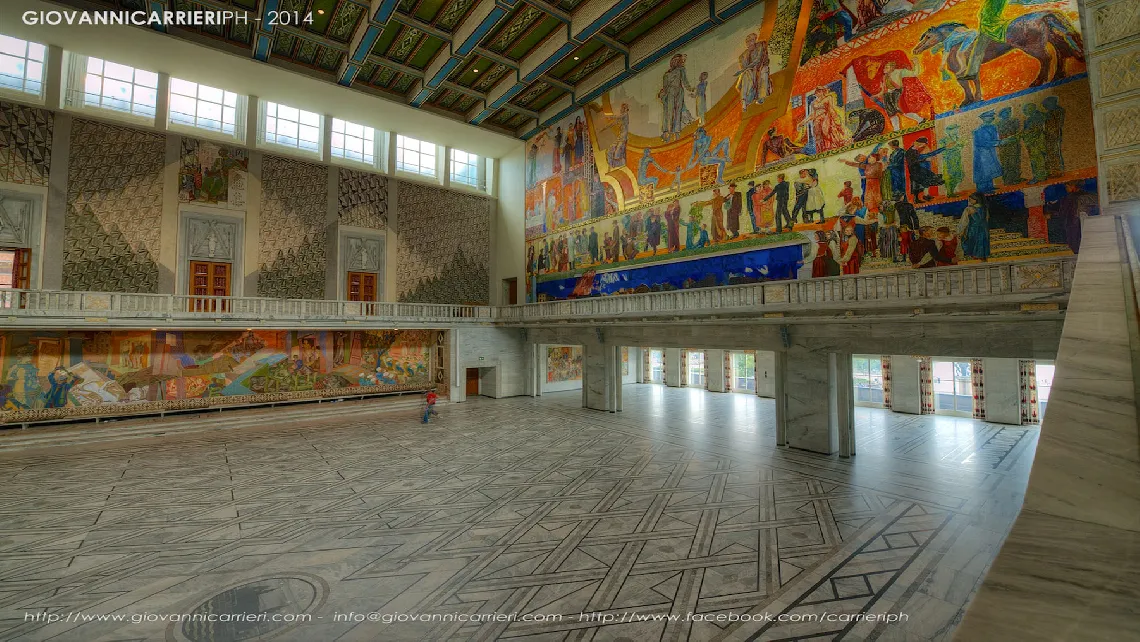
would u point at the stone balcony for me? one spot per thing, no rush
(982, 288)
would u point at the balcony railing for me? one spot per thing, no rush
(902, 288)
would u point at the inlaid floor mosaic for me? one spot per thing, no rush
(521, 519)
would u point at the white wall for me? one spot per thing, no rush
(765, 374)
(509, 256)
(500, 351)
(673, 374)
(1002, 390)
(714, 371)
(905, 392)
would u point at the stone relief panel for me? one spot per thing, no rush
(1123, 182)
(1122, 127)
(444, 249)
(1120, 73)
(364, 254)
(363, 199)
(291, 248)
(16, 221)
(211, 239)
(25, 144)
(1117, 21)
(212, 173)
(114, 208)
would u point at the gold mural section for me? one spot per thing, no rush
(62, 374)
(878, 136)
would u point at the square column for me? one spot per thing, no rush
(779, 393)
(601, 377)
(842, 386)
(714, 371)
(811, 421)
(673, 367)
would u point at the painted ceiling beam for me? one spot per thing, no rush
(483, 19)
(263, 33)
(586, 22)
(551, 80)
(377, 15)
(416, 23)
(160, 7)
(395, 66)
(494, 57)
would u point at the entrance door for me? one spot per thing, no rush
(743, 372)
(656, 366)
(15, 273)
(361, 286)
(472, 388)
(953, 388)
(209, 280)
(511, 291)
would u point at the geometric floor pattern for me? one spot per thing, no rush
(514, 519)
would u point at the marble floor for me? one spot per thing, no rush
(522, 519)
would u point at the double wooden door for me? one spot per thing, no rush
(209, 280)
(361, 286)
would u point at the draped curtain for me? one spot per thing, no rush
(1028, 392)
(684, 368)
(728, 374)
(978, 381)
(926, 384)
(886, 381)
(646, 371)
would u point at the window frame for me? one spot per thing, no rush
(436, 155)
(241, 113)
(478, 170)
(23, 94)
(75, 98)
(379, 145)
(263, 141)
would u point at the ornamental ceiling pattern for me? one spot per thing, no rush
(408, 55)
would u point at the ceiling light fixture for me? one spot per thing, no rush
(321, 12)
(476, 71)
(575, 57)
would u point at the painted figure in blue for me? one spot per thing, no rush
(705, 154)
(896, 165)
(1054, 126)
(693, 227)
(647, 160)
(24, 381)
(700, 94)
(703, 240)
(61, 382)
(974, 228)
(987, 167)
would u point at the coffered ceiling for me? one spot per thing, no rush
(508, 65)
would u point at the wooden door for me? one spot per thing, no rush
(22, 270)
(209, 280)
(472, 381)
(361, 286)
(512, 290)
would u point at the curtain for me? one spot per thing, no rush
(1028, 378)
(886, 381)
(646, 371)
(926, 384)
(728, 374)
(978, 383)
(684, 368)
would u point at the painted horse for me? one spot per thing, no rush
(1034, 34)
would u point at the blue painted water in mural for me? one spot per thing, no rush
(771, 264)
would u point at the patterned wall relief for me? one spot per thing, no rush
(25, 144)
(291, 250)
(444, 250)
(114, 208)
(212, 173)
(876, 140)
(564, 363)
(54, 374)
(363, 199)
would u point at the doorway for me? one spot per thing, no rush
(511, 291)
(743, 366)
(953, 387)
(656, 365)
(15, 273)
(696, 369)
(361, 286)
(471, 388)
(867, 377)
(209, 280)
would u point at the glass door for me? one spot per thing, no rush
(867, 375)
(696, 374)
(743, 372)
(656, 366)
(953, 388)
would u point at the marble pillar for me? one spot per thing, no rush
(779, 376)
(843, 411)
(809, 402)
(765, 374)
(714, 371)
(905, 393)
(1002, 390)
(534, 362)
(673, 372)
(601, 377)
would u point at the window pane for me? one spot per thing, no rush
(210, 94)
(182, 87)
(119, 72)
(146, 78)
(13, 46)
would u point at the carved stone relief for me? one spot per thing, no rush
(210, 239)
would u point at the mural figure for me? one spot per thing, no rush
(987, 166)
(674, 84)
(827, 249)
(865, 123)
(765, 208)
(705, 154)
(24, 381)
(974, 228)
(615, 155)
(1036, 146)
(1044, 35)
(825, 120)
(918, 164)
(61, 382)
(782, 193)
(896, 166)
(1074, 206)
(850, 251)
(653, 229)
(692, 227)
(830, 23)
(735, 205)
(700, 94)
(777, 147)
(532, 165)
(923, 250)
(647, 161)
(947, 246)
(1009, 147)
(753, 76)
(556, 157)
(891, 81)
(952, 169)
(1054, 128)
(716, 201)
(673, 226)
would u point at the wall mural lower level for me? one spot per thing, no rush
(48, 375)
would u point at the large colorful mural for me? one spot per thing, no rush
(59, 374)
(213, 174)
(837, 137)
(563, 363)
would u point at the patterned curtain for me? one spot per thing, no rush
(684, 369)
(645, 369)
(728, 376)
(978, 381)
(926, 384)
(886, 381)
(1028, 392)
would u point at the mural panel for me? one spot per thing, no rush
(57, 374)
(868, 135)
(563, 363)
(25, 144)
(213, 174)
(447, 259)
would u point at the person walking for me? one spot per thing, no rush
(430, 400)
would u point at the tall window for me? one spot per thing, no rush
(465, 168)
(1045, 373)
(203, 107)
(867, 373)
(353, 142)
(696, 359)
(743, 372)
(656, 365)
(953, 388)
(415, 156)
(21, 66)
(102, 84)
(291, 127)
